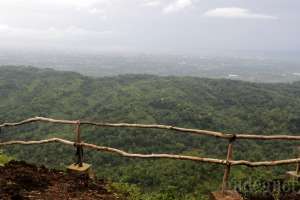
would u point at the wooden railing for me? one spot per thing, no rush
(228, 162)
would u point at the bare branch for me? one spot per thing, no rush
(155, 126)
(168, 156)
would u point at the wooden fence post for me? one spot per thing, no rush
(298, 164)
(79, 166)
(226, 193)
(0, 135)
(298, 169)
(228, 165)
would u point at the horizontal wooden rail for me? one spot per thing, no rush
(155, 126)
(114, 150)
(228, 163)
(168, 156)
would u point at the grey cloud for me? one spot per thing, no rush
(177, 6)
(235, 12)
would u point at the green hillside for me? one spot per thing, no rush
(220, 105)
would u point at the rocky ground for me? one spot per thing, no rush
(19, 180)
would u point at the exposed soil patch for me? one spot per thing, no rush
(19, 180)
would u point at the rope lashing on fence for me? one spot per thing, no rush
(77, 144)
(79, 153)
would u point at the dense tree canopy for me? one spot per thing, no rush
(220, 105)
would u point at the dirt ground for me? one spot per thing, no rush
(19, 180)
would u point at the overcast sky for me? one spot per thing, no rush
(176, 26)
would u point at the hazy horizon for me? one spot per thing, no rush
(236, 39)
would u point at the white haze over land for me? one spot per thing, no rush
(154, 26)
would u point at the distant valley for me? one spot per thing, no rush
(254, 69)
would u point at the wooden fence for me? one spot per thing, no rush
(228, 162)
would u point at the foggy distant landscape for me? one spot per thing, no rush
(246, 68)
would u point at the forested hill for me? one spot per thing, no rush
(221, 105)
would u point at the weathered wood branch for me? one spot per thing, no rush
(228, 166)
(118, 125)
(37, 119)
(267, 137)
(168, 156)
(265, 163)
(51, 140)
(114, 150)
(162, 127)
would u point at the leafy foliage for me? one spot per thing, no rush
(4, 158)
(220, 105)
